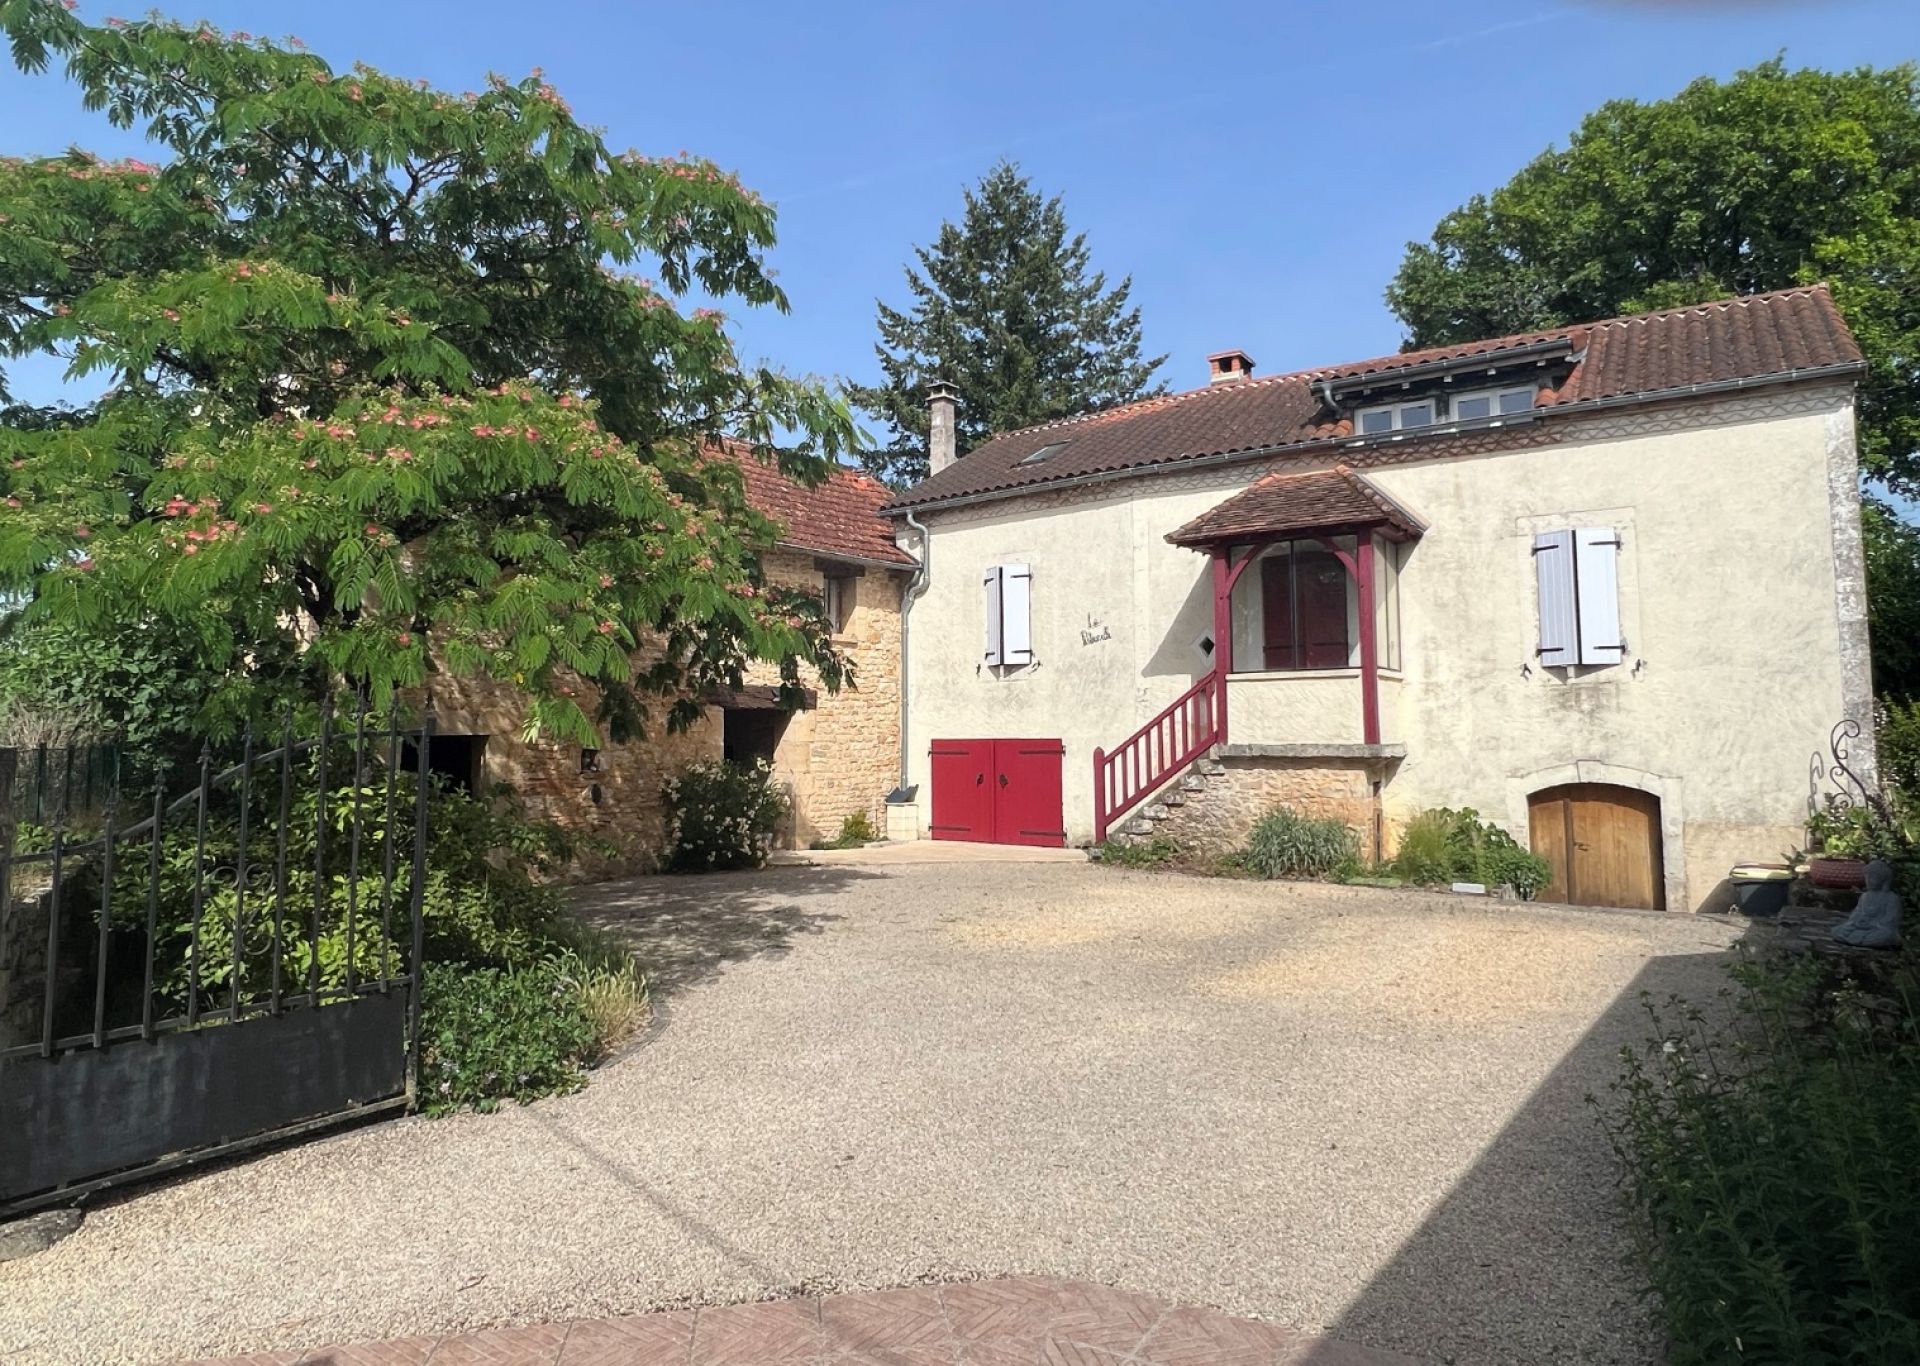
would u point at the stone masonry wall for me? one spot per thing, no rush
(620, 833)
(843, 756)
(1220, 817)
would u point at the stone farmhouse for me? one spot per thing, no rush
(1602, 583)
(837, 756)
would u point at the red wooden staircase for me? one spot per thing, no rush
(1157, 753)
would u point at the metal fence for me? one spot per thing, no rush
(182, 975)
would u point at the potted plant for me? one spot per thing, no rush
(1841, 837)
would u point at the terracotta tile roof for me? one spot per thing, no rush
(840, 517)
(1285, 503)
(1773, 337)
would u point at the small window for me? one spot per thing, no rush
(1516, 400)
(1046, 452)
(1393, 417)
(837, 590)
(1470, 406)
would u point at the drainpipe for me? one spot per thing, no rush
(916, 585)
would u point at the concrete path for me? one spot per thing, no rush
(1350, 1112)
(1026, 1321)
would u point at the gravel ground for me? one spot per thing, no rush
(1353, 1111)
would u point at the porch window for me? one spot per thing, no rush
(1295, 610)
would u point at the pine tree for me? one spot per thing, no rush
(1004, 308)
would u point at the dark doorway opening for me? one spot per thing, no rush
(455, 761)
(750, 733)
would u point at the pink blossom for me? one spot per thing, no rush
(193, 550)
(404, 638)
(13, 502)
(83, 531)
(170, 315)
(606, 580)
(85, 562)
(606, 628)
(263, 508)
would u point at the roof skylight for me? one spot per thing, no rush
(1045, 453)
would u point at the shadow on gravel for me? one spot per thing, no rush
(1505, 1268)
(684, 929)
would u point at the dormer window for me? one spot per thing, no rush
(1492, 403)
(1394, 417)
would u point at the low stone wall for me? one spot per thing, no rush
(1245, 789)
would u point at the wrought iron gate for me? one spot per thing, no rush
(233, 965)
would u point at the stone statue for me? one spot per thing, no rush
(1875, 922)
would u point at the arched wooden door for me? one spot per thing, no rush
(1603, 842)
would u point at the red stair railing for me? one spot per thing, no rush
(1152, 756)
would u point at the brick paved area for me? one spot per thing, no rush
(1028, 1321)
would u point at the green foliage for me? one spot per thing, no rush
(855, 830)
(387, 385)
(1283, 843)
(1841, 829)
(1770, 1167)
(1897, 734)
(1004, 308)
(492, 1034)
(1892, 549)
(721, 815)
(1771, 179)
(1441, 846)
(1152, 853)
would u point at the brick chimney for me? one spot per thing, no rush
(943, 406)
(1228, 367)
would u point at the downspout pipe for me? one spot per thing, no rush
(917, 585)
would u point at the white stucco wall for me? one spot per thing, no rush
(1734, 614)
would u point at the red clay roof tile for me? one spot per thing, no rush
(840, 517)
(1286, 504)
(1765, 337)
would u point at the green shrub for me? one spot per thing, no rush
(1770, 1168)
(1442, 845)
(1283, 843)
(855, 830)
(493, 1034)
(1154, 852)
(721, 815)
(1523, 870)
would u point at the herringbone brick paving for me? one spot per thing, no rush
(1024, 1321)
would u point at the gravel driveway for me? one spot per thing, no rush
(1352, 1111)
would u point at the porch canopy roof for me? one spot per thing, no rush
(1319, 503)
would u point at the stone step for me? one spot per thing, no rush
(1193, 782)
(1175, 798)
(1156, 811)
(1139, 825)
(1212, 768)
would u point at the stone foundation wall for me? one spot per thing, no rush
(1220, 817)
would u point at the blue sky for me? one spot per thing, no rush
(1256, 168)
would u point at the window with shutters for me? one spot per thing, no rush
(1577, 581)
(837, 591)
(1009, 609)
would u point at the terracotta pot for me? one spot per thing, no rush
(1837, 873)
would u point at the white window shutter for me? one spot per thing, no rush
(1016, 614)
(1553, 573)
(1596, 559)
(993, 599)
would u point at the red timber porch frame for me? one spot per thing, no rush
(1359, 564)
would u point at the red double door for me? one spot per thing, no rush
(998, 791)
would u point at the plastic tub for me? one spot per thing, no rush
(1760, 889)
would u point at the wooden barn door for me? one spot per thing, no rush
(1603, 842)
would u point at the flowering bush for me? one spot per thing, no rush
(721, 815)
